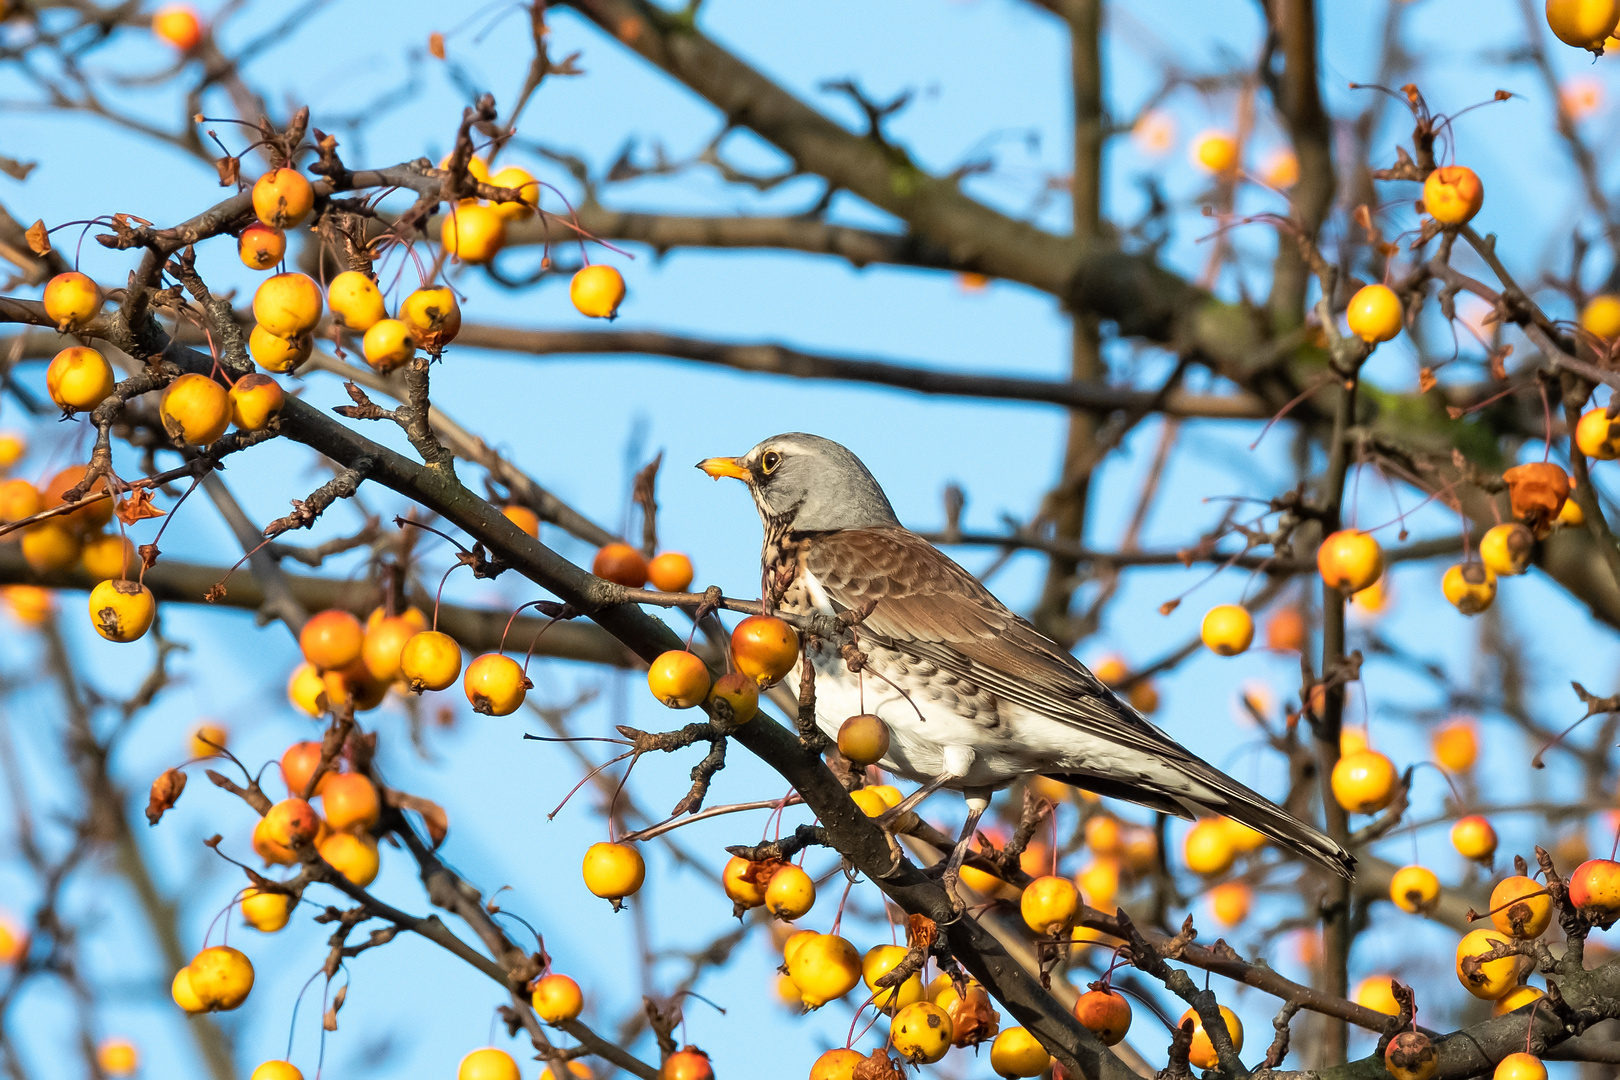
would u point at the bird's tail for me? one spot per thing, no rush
(1223, 795)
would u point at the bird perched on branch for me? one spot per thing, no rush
(974, 696)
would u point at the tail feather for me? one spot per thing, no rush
(1232, 799)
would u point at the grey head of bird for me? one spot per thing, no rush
(806, 484)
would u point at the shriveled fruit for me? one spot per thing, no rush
(255, 401)
(472, 233)
(266, 912)
(79, 378)
(620, 564)
(71, 300)
(221, 977)
(1452, 194)
(282, 198)
(670, 572)
(863, 739)
(1202, 1052)
(1227, 629)
(678, 679)
(613, 871)
(597, 291)
(279, 354)
(496, 685)
(1350, 560)
(739, 693)
(287, 305)
(196, 410)
(764, 648)
(388, 345)
(556, 998)
(973, 1019)
(433, 315)
(1105, 1013)
(261, 246)
(1017, 1053)
(790, 894)
(1521, 907)
(1374, 314)
(1364, 783)
(1411, 1055)
(1415, 889)
(355, 857)
(1471, 587)
(122, 610)
(430, 661)
(331, 639)
(356, 302)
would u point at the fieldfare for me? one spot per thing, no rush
(974, 696)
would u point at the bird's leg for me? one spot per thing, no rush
(889, 818)
(978, 801)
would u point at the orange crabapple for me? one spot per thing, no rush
(472, 233)
(1103, 834)
(739, 887)
(739, 693)
(355, 301)
(863, 739)
(1452, 194)
(597, 291)
(178, 25)
(477, 167)
(1506, 548)
(1286, 630)
(298, 764)
(266, 912)
(195, 410)
(1521, 907)
(50, 546)
(1207, 849)
(1582, 23)
(87, 518)
(764, 648)
(556, 998)
(1374, 314)
(207, 739)
(1349, 560)
(430, 661)
(18, 499)
(184, 996)
(678, 679)
(1601, 316)
(836, 1064)
(79, 378)
(1456, 744)
(1363, 782)
(13, 445)
(71, 300)
(1516, 999)
(388, 345)
(282, 198)
(1374, 993)
(1594, 887)
(496, 685)
(255, 401)
(687, 1063)
(1415, 889)
(790, 894)
(353, 685)
(382, 646)
(306, 690)
(122, 610)
(613, 871)
(1202, 1052)
(670, 572)
(350, 801)
(523, 518)
(523, 182)
(1098, 882)
(261, 246)
(273, 853)
(1215, 152)
(1243, 838)
(117, 1057)
(1597, 436)
(1520, 1066)
(1105, 1013)
(291, 821)
(288, 304)
(1017, 1053)
(105, 556)
(355, 857)
(1474, 838)
(577, 1070)
(279, 354)
(433, 315)
(331, 639)
(621, 564)
(1229, 902)
(1227, 629)
(276, 1070)
(878, 962)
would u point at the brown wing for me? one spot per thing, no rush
(930, 606)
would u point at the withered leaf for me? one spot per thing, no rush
(166, 791)
(136, 507)
(149, 555)
(329, 1021)
(1426, 380)
(1168, 606)
(921, 931)
(230, 171)
(436, 45)
(39, 240)
(433, 815)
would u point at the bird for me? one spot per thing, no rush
(974, 696)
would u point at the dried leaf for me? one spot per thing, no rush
(433, 815)
(166, 791)
(1426, 380)
(329, 1021)
(39, 240)
(137, 507)
(1537, 492)
(17, 170)
(149, 555)
(436, 45)
(215, 593)
(1498, 362)
(1168, 606)
(921, 932)
(230, 171)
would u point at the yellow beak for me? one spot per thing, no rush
(725, 466)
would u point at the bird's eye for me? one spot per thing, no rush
(770, 461)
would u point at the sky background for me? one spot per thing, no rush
(985, 74)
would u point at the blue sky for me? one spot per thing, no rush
(985, 73)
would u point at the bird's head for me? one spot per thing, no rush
(805, 483)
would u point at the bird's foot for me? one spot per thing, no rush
(949, 879)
